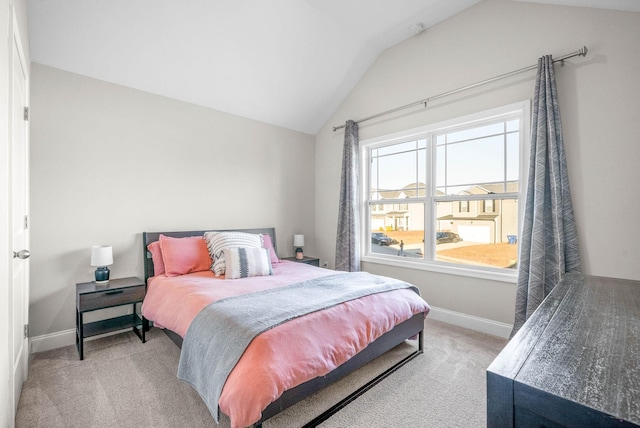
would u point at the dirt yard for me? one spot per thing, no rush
(500, 255)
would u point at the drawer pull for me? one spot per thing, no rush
(110, 293)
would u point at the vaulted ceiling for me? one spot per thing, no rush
(285, 62)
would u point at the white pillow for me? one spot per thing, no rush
(218, 241)
(246, 261)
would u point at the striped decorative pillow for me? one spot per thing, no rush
(246, 261)
(218, 241)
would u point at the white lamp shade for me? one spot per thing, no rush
(101, 255)
(298, 240)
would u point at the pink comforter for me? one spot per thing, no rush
(290, 354)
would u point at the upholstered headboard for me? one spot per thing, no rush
(149, 237)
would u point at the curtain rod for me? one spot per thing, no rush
(580, 52)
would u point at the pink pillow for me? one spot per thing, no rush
(268, 244)
(184, 255)
(156, 257)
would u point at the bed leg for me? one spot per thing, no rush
(421, 341)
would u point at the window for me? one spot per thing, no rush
(488, 206)
(449, 193)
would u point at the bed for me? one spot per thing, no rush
(172, 312)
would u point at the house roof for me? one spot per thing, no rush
(486, 217)
(418, 189)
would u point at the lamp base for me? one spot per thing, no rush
(102, 275)
(299, 254)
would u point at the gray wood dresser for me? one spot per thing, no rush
(575, 362)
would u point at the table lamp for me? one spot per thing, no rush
(298, 242)
(101, 257)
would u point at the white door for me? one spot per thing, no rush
(19, 288)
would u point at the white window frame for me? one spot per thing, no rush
(523, 109)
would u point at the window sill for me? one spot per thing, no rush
(494, 274)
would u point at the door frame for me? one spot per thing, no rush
(18, 372)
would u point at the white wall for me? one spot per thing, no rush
(599, 107)
(109, 162)
(6, 366)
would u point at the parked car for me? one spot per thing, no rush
(382, 239)
(442, 237)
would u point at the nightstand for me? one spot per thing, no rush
(117, 292)
(307, 260)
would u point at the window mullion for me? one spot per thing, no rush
(429, 204)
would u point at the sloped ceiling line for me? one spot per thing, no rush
(289, 63)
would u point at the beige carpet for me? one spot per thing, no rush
(123, 382)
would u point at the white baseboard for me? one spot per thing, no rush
(52, 340)
(60, 339)
(471, 322)
(483, 325)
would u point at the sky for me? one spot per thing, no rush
(483, 154)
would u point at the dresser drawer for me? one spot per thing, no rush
(108, 298)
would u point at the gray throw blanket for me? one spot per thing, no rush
(220, 333)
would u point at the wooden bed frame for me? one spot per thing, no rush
(403, 331)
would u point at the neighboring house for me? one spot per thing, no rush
(486, 221)
(399, 216)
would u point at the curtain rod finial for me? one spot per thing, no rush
(583, 51)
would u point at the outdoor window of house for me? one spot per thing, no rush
(449, 193)
(488, 206)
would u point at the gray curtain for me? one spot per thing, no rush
(348, 239)
(549, 241)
